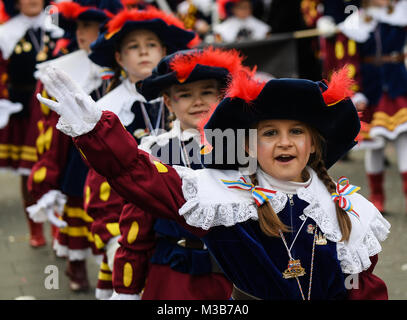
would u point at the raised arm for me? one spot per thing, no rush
(112, 151)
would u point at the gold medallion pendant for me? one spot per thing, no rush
(27, 46)
(293, 270)
(42, 56)
(18, 49)
(320, 240)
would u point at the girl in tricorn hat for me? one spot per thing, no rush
(282, 229)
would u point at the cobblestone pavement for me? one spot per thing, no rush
(22, 269)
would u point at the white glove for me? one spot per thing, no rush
(111, 247)
(6, 109)
(51, 202)
(326, 26)
(124, 296)
(78, 112)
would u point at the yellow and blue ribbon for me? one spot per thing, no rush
(344, 189)
(260, 195)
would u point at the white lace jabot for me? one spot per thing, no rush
(209, 203)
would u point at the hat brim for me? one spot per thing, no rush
(172, 37)
(153, 86)
(293, 99)
(88, 15)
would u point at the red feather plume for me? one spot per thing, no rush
(183, 64)
(201, 125)
(194, 42)
(3, 14)
(142, 15)
(339, 87)
(245, 86)
(70, 10)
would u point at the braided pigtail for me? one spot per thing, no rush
(269, 222)
(317, 164)
(116, 79)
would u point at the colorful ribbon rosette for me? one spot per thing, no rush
(344, 189)
(260, 195)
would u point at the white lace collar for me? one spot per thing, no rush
(79, 68)
(209, 203)
(357, 28)
(13, 30)
(120, 100)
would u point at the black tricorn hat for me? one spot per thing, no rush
(325, 107)
(188, 66)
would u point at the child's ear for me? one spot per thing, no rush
(247, 148)
(313, 148)
(118, 58)
(167, 102)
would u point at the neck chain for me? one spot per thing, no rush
(39, 47)
(184, 155)
(147, 121)
(294, 269)
(295, 238)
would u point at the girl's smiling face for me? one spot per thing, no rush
(284, 148)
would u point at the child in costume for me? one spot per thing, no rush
(379, 29)
(281, 229)
(133, 44)
(239, 23)
(26, 38)
(57, 179)
(337, 49)
(191, 81)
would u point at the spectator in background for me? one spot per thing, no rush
(294, 15)
(239, 22)
(196, 15)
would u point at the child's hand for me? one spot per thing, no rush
(78, 112)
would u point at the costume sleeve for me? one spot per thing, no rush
(104, 205)
(136, 247)
(138, 177)
(52, 150)
(368, 286)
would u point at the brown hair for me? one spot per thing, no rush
(115, 81)
(270, 223)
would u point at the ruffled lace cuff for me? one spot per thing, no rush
(356, 259)
(7, 108)
(78, 128)
(53, 199)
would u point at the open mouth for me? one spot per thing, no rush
(199, 112)
(285, 158)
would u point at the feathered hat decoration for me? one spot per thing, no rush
(150, 13)
(246, 87)
(184, 64)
